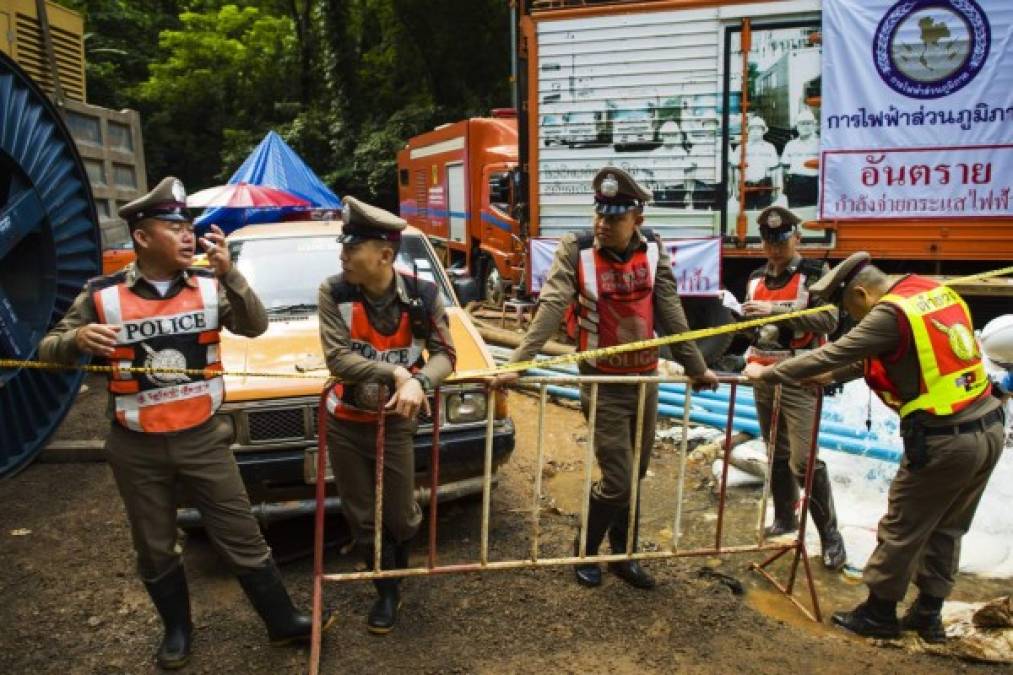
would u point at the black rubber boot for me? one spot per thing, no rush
(821, 506)
(172, 600)
(266, 591)
(924, 617)
(784, 493)
(383, 614)
(599, 517)
(874, 618)
(629, 571)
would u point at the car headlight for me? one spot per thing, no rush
(465, 407)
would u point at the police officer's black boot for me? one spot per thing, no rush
(821, 506)
(924, 616)
(784, 493)
(629, 571)
(383, 614)
(875, 618)
(599, 517)
(266, 591)
(172, 600)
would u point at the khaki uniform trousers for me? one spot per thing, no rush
(352, 448)
(150, 470)
(615, 433)
(794, 422)
(929, 510)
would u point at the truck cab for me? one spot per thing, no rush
(456, 184)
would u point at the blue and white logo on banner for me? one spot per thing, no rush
(943, 148)
(931, 48)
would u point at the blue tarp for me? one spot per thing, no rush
(275, 164)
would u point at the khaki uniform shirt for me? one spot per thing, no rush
(874, 335)
(384, 314)
(239, 310)
(560, 291)
(823, 323)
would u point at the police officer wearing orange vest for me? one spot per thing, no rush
(781, 286)
(915, 345)
(159, 312)
(375, 322)
(619, 279)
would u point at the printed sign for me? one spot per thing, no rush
(918, 101)
(696, 264)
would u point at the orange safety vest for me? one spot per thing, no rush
(173, 333)
(358, 402)
(793, 296)
(937, 323)
(615, 305)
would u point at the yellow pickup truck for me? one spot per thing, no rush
(275, 419)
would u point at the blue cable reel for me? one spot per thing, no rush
(50, 245)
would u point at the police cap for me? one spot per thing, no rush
(362, 221)
(615, 192)
(777, 224)
(166, 202)
(831, 285)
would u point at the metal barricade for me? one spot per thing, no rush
(534, 560)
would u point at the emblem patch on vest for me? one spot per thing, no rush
(165, 359)
(961, 340)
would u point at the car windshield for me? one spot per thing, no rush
(286, 272)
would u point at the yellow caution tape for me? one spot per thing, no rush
(192, 372)
(605, 352)
(576, 357)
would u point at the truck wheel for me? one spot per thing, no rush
(493, 287)
(707, 313)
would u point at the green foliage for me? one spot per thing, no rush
(345, 83)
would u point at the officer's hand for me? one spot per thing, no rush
(504, 380)
(96, 338)
(217, 251)
(408, 400)
(401, 375)
(757, 308)
(706, 381)
(754, 371)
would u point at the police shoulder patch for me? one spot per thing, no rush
(106, 280)
(341, 290)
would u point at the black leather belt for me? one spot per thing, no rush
(980, 424)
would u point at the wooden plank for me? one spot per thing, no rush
(66, 451)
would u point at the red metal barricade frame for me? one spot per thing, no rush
(778, 550)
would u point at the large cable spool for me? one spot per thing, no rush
(49, 247)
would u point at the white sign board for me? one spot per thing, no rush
(917, 116)
(696, 264)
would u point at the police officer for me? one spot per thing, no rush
(618, 278)
(375, 322)
(915, 345)
(159, 312)
(780, 286)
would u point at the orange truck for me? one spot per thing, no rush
(454, 184)
(748, 103)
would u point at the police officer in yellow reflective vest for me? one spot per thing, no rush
(618, 277)
(780, 286)
(375, 322)
(915, 346)
(160, 312)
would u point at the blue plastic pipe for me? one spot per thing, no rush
(832, 441)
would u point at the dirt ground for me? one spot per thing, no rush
(70, 601)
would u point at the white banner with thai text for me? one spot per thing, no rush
(917, 115)
(696, 264)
